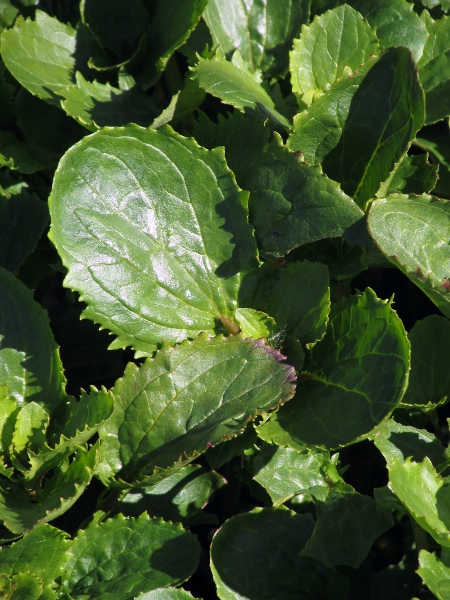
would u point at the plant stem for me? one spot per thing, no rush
(420, 536)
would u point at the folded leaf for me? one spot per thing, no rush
(29, 358)
(363, 125)
(256, 556)
(413, 232)
(236, 86)
(122, 557)
(364, 338)
(262, 32)
(186, 399)
(155, 238)
(334, 41)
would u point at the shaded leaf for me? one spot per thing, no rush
(352, 522)
(262, 32)
(124, 557)
(156, 422)
(365, 338)
(413, 232)
(412, 175)
(292, 203)
(337, 40)
(181, 105)
(429, 379)
(256, 556)
(158, 253)
(363, 125)
(29, 358)
(236, 86)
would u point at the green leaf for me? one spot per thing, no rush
(299, 300)
(123, 557)
(42, 552)
(41, 55)
(412, 175)
(262, 32)
(20, 512)
(438, 144)
(365, 337)
(434, 69)
(292, 203)
(243, 136)
(156, 420)
(395, 22)
(429, 379)
(435, 574)
(165, 594)
(157, 253)
(29, 358)
(95, 105)
(179, 497)
(337, 40)
(171, 26)
(413, 232)
(256, 556)
(23, 217)
(364, 124)
(235, 85)
(285, 473)
(21, 156)
(425, 494)
(397, 441)
(353, 522)
(255, 324)
(30, 426)
(24, 586)
(181, 105)
(229, 448)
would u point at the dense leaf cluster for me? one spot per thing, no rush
(224, 183)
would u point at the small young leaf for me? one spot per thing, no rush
(236, 86)
(187, 398)
(412, 175)
(362, 126)
(156, 238)
(360, 517)
(29, 429)
(336, 40)
(435, 574)
(262, 32)
(42, 552)
(425, 494)
(284, 473)
(256, 556)
(429, 379)
(413, 232)
(123, 557)
(438, 144)
(29, 358)
(292, 203)
(364, 336)
(255, 324)
(41, 55)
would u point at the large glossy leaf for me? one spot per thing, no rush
(29, 360)
(43, 552)
(396, 23)
(235, 85)
(122, 557)
(345, 530)
(256, 556)
(188, 398)
(336, 40)
(425, 494)
(40, 54)
(284, 473)
(23, 218)
(434, 69)
(363, 125)
(435, 574)
(261, 31)
(413, 232)
(154, 232)
(293, 204)
(429, 380)
(365, 338)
